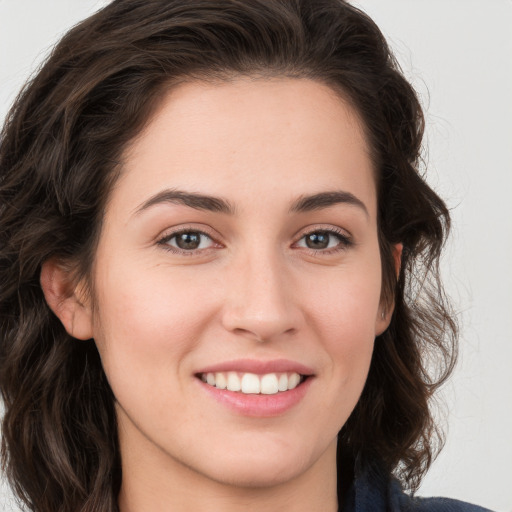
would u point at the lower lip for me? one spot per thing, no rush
(263, 406)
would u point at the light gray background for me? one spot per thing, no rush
(458, 53)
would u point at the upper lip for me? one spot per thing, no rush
(258, 367)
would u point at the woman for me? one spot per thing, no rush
(220, 266)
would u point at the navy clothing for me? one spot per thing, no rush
(372, 491)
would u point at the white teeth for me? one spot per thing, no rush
(250, 383)
(220, 381)
(269, 384)
(293, 380)
(283, 382)
(233, 383)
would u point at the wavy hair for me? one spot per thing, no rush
(60, 154)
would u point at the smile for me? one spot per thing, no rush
(253, 384)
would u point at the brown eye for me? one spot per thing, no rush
(318, 240)
(322, 240)
(189, 241)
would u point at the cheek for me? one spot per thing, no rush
(344, 310)
(349, 298)
(146, 326)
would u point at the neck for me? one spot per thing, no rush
(156, 482)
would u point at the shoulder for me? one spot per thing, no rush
(402, 502)
(440, 505)
(374, 490)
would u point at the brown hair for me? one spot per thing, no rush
(59, 157)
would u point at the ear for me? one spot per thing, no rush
(67, 299)
(386, 310)
(398, 249)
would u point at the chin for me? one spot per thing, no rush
(257, 476)
(261, 468)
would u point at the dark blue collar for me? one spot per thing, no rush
(373, 490)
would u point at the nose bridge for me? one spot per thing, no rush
(261, 303)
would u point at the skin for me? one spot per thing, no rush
(252, 290)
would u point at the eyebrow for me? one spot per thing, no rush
(217, 204)
(327, 199)
(190, 199)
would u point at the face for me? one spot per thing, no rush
(237, 281)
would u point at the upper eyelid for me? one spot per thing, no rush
(335, 230)
(326, 228)
(206, 231)
(172, 235)
(168, 233)
(345, 240)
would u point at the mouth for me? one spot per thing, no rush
(257, 388)
(252, 383)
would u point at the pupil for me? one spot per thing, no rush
(317, 240)
(188, 240)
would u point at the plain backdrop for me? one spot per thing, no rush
(458, 54)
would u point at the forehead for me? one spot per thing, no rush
(249, 135)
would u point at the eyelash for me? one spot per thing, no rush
(345, 241)
(165, 241)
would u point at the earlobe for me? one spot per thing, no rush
(66, 300)
(383, 320)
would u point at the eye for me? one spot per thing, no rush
(324, 240)
(187, 241)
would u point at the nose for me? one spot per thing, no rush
(261, 301)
